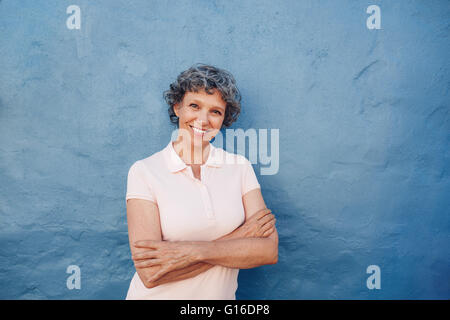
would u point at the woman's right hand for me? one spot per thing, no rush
(259, 225)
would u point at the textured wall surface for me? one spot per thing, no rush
(364, 120)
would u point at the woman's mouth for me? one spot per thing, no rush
(198, 131)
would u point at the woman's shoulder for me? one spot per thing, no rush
(150, 163)
(230, 158)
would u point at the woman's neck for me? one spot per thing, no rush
(192, 154)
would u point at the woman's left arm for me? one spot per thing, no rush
(242, 253)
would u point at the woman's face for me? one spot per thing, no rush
(200, 115)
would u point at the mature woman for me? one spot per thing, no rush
(195, 217)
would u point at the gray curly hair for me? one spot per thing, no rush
(209, 78)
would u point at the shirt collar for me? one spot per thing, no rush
(175, 163)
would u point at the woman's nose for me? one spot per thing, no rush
(199, 123)
(202, 119)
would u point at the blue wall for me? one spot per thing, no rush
(364, 119)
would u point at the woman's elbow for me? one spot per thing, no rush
(145, 277)
(273, 258)
(273, 238)
(149, 284)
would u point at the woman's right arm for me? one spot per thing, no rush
(143, 223)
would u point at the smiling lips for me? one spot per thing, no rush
(199, 131)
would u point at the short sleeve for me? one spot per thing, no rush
(138, 186)
(249, 180)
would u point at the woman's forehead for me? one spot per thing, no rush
(201, 96)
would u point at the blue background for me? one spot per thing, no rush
(364, 122)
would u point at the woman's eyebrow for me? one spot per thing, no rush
(220, 108)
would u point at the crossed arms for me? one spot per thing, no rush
(253, 244)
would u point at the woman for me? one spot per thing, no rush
(195, 217)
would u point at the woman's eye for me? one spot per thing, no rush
(194, 105)
(218, 112)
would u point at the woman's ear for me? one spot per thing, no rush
(175, 109)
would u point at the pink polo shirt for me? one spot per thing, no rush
(193, 210)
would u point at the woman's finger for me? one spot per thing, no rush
(147, 263)
(268, 225)
(264, 213)
(266, 219)
(259, 214)
(144, 255)
(269, 232)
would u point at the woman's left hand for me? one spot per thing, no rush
(168, 255)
